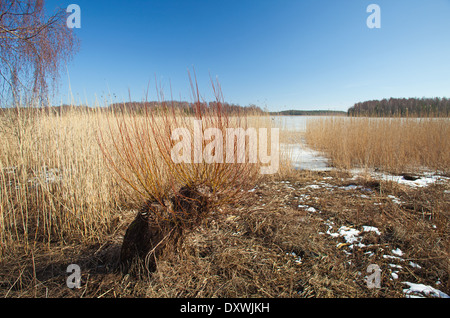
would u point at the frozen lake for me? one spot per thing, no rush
(302, 157)
(296, 123)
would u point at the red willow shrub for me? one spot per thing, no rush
(177, 194)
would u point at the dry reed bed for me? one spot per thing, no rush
(60, 204)
(55, 184)
(393, 144)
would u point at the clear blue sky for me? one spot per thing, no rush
(278, 54)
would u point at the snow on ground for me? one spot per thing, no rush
(420, 182)
(353, 237)
(349, 234)
(371, 229)
(421, 290)
(397, 252)
(425, 180)
(304, 158)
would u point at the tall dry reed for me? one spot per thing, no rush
(393, 144)
(54, 183)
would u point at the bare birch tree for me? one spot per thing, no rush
(33, 48)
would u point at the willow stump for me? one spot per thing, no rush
(159, 225)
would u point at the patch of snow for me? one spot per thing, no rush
(313, 186)
(350, 187)
(349, 234)
(326, 184)
(419, 183)
(395, 199)
(371, 229)
(329, 229)
(397, 252)
(426, 180)
(421, 290)
(414, 265)
(304, 158)
(393, 257)
(356, 187)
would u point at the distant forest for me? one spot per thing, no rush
(140, 107)
(308, 113)
(226, 107)
(392, 107)
(186, 107)
(402, 107)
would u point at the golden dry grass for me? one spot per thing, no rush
(392, 144)
(55, 185)
(60, 204)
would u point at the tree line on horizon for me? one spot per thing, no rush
(186, 107)
(141, 107)
(402, 107)
(392, 107)
(293, 112)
